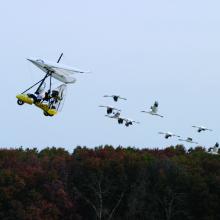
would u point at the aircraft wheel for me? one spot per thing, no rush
(46, 114)
(20, 102)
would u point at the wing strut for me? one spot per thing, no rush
(34, 85)
(47, 74)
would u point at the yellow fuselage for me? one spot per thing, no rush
(26, 99)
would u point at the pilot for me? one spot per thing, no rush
(54, 98)
(47, 96)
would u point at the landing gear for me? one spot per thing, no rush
(47, 114)
(19, 102)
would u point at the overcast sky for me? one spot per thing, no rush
(143, 50)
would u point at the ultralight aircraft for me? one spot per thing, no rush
(51, 102)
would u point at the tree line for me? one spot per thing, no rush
(109, 183)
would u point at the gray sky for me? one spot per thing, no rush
(143, 50)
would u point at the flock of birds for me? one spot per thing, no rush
(115, 113)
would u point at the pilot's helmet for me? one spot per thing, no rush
(55, 93)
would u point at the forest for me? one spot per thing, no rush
(109, 183)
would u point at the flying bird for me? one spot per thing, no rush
(115, 115)
(168, 134)
(109, 109)
(127, 122)
(154, 110)
(201, 128)
(115, 97)
(189, 140)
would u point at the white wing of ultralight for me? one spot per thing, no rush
(58, 71)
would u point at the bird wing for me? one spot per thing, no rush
(144, 111)
(154, 109)
(162, 132)
(122, 98)
(194, 126)
(137, 122)
(116, 109)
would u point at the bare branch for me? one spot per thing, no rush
(87, 200)
(116, 206)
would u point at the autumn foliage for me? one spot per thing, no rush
(109, 183)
